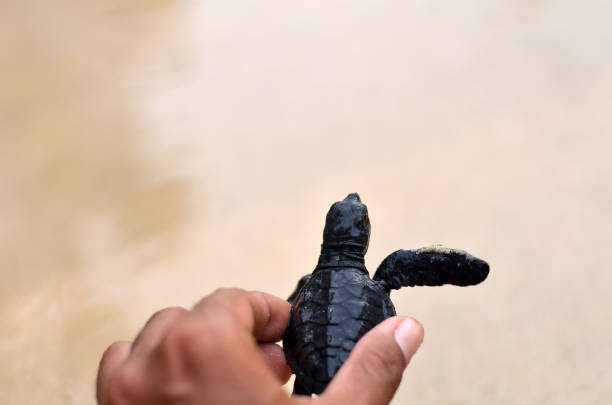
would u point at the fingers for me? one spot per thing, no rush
(374, 368)
(113, 357)
(275, 358)
(220, 352)
(155, 328)
(261, 314)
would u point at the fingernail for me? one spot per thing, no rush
(408, 335)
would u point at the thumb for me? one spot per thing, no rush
(375, 366)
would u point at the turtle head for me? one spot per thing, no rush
(347, 225)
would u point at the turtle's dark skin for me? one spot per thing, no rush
(332, 308)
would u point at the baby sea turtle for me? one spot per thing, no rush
(332, 308)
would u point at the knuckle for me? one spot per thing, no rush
(127, 383)
(230, 293)
(110, 363)
(187, 337)
(224, 297)
(233, 301)
(112, 350)
(168, 312)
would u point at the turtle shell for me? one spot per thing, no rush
(332, 311)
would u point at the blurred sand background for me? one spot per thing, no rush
(151, 152)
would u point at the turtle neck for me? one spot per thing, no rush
(345, 255)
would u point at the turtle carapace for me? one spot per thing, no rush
(332, 308)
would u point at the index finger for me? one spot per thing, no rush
(263, 315)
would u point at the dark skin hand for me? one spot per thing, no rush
(223, 351)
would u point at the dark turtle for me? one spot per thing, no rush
(332, 308)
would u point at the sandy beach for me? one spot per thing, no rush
(151, 152)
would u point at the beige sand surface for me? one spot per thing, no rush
(151, 152)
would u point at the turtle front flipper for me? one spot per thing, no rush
(299, 286)
(431, 266)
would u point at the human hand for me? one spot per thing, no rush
(223, 352)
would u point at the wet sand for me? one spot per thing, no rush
(150, 153)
